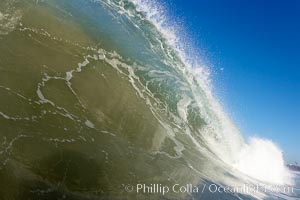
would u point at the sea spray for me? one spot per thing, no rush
(263, 160)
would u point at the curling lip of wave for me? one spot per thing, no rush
(260, 159)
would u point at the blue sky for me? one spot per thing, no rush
(258, 45)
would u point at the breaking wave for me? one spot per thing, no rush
(258, 158)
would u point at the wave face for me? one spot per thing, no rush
(96, 95)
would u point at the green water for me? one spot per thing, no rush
(84, 137)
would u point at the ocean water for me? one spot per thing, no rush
(101, 99)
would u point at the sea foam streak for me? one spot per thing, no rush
(260, 159)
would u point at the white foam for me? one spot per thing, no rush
(89, 124)
(69, 75)
(4, 115)
(8, 22)
(182, 107)
(263, 160)
(81, 65)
